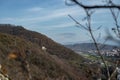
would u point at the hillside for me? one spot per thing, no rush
(42, 66)
(40, 39)
(55, 63)
(52, 47)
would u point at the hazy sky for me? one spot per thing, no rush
(50, 17)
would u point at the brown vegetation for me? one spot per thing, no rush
(22, 47)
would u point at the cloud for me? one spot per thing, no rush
(92, 2)
(62, 25)
(48, 16)
(53, 14)
(7, 19)
(71, 24)
(34, 9)
(67, 35)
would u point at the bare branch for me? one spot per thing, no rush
(115, 17)
(95, 42)
(96, 6)
(113, 71)
(77, 22)
(99, 36)
(109, 5)
(118, 13)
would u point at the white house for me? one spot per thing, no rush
(44, 48)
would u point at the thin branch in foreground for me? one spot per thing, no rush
(95, 6)
(95, 42)
(110, 6)
(114, 71)
(78, 22)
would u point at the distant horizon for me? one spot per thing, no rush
(114, 44)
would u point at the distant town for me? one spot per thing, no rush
(107, 53)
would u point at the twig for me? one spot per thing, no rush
(77, 22)
(95, 42)
(95, 6)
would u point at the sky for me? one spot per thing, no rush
(50, 17)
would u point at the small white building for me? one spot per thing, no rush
(44, 48)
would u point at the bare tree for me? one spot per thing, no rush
(115, 10)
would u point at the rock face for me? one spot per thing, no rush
(2, 77)
(23, 58)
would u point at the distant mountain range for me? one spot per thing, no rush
(84, 47)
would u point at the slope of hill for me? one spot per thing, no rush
(56, 63)
(17, 53)
(40, 39)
